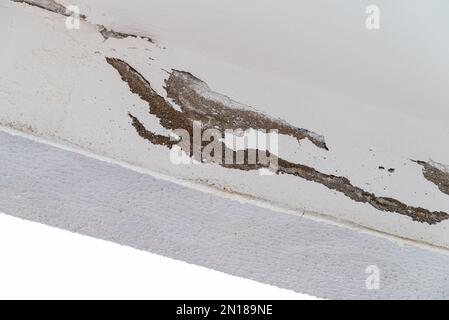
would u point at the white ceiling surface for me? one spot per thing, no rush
(324, 43)
(57, 83)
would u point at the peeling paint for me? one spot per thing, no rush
(49, 5)
(198, 102)
(53, 6)
(436, 174)
(109, 33)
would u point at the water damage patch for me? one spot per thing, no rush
(437, 174)
(199, 103)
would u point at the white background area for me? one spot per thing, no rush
(41, 262)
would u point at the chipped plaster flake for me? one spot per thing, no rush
(439, 166)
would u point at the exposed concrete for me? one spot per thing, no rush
(436, 174)
(218, 112)
(198, 103)
(108, 33)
